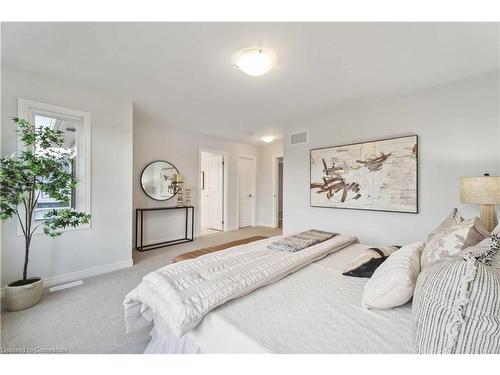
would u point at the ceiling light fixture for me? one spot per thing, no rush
(268, 138)
(254, 61)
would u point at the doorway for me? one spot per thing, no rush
(246, 191)
(212, 192)
(278, 191)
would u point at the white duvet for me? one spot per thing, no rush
(315, 310)
(183, 293)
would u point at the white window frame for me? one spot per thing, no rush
(26, 110)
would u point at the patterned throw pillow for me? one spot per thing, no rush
(449, 239)
(452, 219)
(456, 305)
(368, 261)
(487, 251)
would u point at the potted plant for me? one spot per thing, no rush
(42, 166)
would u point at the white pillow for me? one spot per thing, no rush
(393, 282)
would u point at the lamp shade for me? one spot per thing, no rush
(480, 190)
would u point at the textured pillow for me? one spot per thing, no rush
(452, 239)
(392, 284)
(496, 230)
(452, 219)
(368, 261)
(456, 306)
(486, 252)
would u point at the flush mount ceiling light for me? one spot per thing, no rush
(254, 61)
(268, 138)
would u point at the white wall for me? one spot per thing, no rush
(107, 245)
(459, 135)
(265, 171)
(158, 142)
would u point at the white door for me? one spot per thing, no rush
(215, 192)
(246, 182)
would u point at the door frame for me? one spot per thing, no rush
(275, 161)
(225, 178)
(254, 186)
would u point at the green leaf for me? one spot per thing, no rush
(42, 166)
(57, 220)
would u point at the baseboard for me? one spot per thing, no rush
(89, 272)
(83, 274)
(264, 224)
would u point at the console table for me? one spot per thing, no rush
(139, 223)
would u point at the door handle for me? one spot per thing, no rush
(249, 195)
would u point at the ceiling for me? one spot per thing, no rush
(182, 75)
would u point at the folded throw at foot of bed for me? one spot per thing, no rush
(301, 241)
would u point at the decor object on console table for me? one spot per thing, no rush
(178, 181)
(188, 195)
(42, 165)
(139, 228)
(484, 191)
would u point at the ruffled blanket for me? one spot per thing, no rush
(183, 293)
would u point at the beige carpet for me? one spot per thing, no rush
(89, 318)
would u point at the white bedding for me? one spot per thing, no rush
(183, 293)
(314, 310)
(318, 310)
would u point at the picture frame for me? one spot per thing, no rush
(376, 175)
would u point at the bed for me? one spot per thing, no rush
(313, 310)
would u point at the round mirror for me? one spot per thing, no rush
(157, 180)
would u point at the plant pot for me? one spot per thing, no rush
(22, 294)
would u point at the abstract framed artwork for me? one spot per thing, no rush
(380, 175)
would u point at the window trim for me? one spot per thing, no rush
(26, 110)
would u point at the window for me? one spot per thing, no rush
(69, 128)
(75, 126)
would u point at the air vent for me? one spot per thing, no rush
(298, 138)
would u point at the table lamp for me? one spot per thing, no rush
(484, 191)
